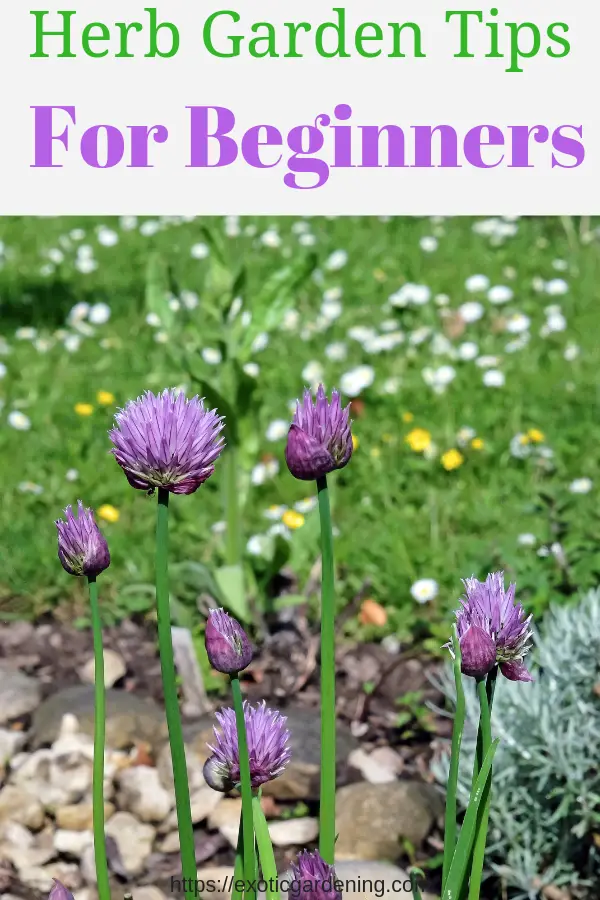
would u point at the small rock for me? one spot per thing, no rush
(19, 694)
(72, 843)
(41, 878)
(129, 719)
(114, 668)
(373, 819)
(19, 805)
(202, 803)
(133, 839)
(80, 816)
(226, 813)
(388, 758)
(87, 865)
(141, 792)
(10, 743)
(170, 843)
(147, 892)
(55, 780)
(217, 877)
(372, 880)
(371, 770)
(86, 893)
(294, 832)
(23, 850)
(194, 764)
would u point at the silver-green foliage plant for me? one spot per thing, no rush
(545, 808)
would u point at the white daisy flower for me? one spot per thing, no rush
(270, 238)
(527, 540)
(72, 343)
(71, 474)
(18, 420)
(252, 369)
(581, 486)
(30, 487)
(556, 287)
(312, 373)
(494, 378)
(305, 506)
(274, 513)
(468, 351)
(428, 244)
(199, 251)
(500, 293)
(99, 313)
(411, 294)
(259, 545)
(211, 356)
(477, 283)
(26, 334)
(336, 352)
(518, 323)
(336, 261)
(424, 590)
(471, 311)
(277, 430)
(260, 342)
(571, 352)
(107, 237)
(356, 380)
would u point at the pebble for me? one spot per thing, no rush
(114, 668)
(294, 832)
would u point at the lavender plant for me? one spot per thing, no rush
(545, 808)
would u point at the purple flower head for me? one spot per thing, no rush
(82, 548)
(312, 876)
(268, 743)
(227, 644)
(59, 892)
(319, 439)
(167, 441)
(493, 629)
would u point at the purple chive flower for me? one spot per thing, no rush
(59, 892)
(268, 747)
(167, 441)
(313, 876)
(82, 548)
(493, 629)
(227, 644)
(319, 439)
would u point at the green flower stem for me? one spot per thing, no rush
(485, 692)
(238, 869)
(265, 850)
(233, 546)
(99, 741)
(457, 733)
(167, 664)
(328, 767)
(250, 872)
(414, 874)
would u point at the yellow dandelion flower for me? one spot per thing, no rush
(375, 452)
(355, 442)
(452, 459)
(109, 513)
(105, 398)
(407, 417)
(84, 409)
(292, 519)
(477, 444)
(536, 436)
(419, 439)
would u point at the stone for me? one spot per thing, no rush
(294, 832)
(129, 719)
(18, 805)
(226, 813)
(214, 881)
(373, 819)
(80, 816)
(41, 878)
(23, 849)
(170, 843)
(370, 768)
(147, 892)
(133, 839)
(87, 865)
(10, 743)
(202, 803)
(56, 780)
(72, 843)
(194, 768)
(114, 668)
(300, 780)
(19, 694)
(141, 792)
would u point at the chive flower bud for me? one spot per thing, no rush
(319, 439)
(227, 644)
(82, 548)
